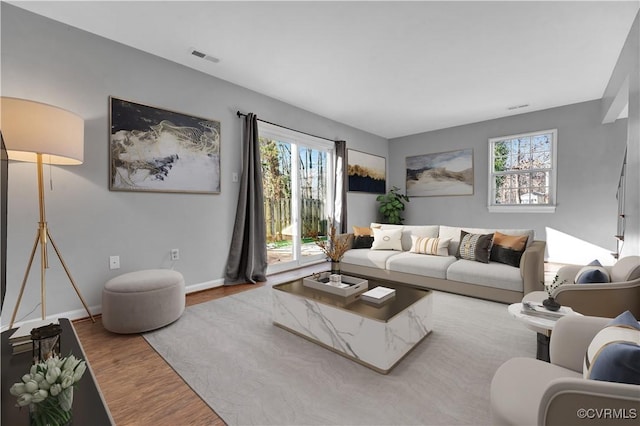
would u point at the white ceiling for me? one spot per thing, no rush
(390, 68)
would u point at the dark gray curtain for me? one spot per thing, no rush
(340, 190)
(247, 261)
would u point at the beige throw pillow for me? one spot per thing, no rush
(389, 239)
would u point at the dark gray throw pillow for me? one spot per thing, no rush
(474, 247)
(362, 241)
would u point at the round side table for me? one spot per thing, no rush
(542, 326)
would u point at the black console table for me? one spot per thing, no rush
(89, 407)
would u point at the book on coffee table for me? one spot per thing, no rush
(378, 294)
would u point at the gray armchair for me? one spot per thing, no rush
(603, 300)
(526, 391)
(600, 300)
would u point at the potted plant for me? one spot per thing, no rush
(392, 205)
(551, 303)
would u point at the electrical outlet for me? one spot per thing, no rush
(234, 177)
(175, 254)
(114, 262)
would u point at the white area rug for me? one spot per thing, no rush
(254, 373)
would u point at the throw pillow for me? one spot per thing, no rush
(594, 272)
(388, 239)
(508, 249)
(362, 241)
(359, 231)
(474, 246)
(433, 246)
(614, 353)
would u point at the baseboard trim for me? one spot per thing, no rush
(193, 288)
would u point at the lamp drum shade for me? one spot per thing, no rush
(30, 128)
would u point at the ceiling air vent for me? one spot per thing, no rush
(511, 108)
(204, 56)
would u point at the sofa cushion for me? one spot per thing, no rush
(474, 246)
(594, 272)
(420, 264)
(430, 231)
(508, 249)
(496, 275)
(368, 257)
(433, 246)
(387, 239)
(626, 269)
(614, 353)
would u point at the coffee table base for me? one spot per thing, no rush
(376, 344)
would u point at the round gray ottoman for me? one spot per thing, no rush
(143, 300)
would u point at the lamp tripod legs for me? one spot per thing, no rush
(42, 277)
(73, 283)
(24, 281)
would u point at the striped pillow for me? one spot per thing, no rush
(426, 245)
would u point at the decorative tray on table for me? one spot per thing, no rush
(346, 286)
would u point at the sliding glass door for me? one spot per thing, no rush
(297, 173)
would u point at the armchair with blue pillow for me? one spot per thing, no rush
(593, 377)
(603, 291)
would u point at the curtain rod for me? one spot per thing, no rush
(241, 114)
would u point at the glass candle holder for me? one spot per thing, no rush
(46, 342)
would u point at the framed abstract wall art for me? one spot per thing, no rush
(366, 172)
(156, 150)
(443, 173)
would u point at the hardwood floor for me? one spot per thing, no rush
(140, 388)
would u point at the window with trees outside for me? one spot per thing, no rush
(297, 177)
(522, 172)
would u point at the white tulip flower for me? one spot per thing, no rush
(66, 379)
(24, 399)
(53, 374)
(17, 389)
(55, 389)
(31, 386)
(79, 371)
(39, 396)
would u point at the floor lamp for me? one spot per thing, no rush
(39, 133)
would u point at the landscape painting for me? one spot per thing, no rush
(366, 172)
(444, 173)
(157, 150)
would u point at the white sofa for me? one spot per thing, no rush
(492, 281)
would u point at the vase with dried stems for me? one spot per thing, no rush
(334, 246)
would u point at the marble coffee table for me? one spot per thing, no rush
(375, 336)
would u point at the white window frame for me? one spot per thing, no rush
(524, 208)
(270, 131)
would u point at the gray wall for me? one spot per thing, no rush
(53, 63)
(589, 160)
(627, 70)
